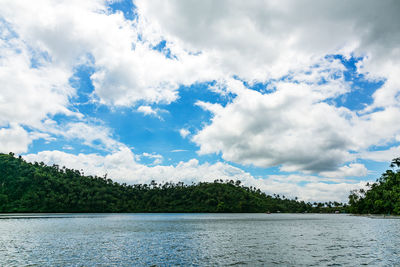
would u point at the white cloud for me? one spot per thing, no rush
(352, 170)
(67, 147)
(27, 94)
(208, 41)
(304, 178)
(317, 191)
(184, 132)
(382, 155)
(314, 190)
(294, 126)
(147, 110)
(127, 68)
(88, 133)
(14, 139)
(289, 127)
(34, 89)
(260, 41)
(263, 39)
(156, 157)
(96, 136)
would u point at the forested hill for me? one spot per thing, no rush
(381, 197)
(27, 187)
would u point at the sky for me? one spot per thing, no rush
(297, 98)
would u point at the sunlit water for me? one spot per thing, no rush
(198, 240)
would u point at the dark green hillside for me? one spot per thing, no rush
(27, 187)
(381, 197)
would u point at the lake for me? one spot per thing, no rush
(197, 240)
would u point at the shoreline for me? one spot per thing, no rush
(377, 216)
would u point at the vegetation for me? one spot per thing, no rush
(27, 187)
(381, 197)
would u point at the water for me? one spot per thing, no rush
(198, 240)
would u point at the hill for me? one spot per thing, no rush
(381, 197)
(36, 187)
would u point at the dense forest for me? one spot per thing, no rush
(381, 197)
(35, 187)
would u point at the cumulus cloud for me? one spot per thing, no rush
(150, 111)
(29, 94)
(289, 127)
(294, 126)
(147, 110)
(184, 132)
(42, 43)
(127, 67)
(14, 139)
(157, 159)
(91, 135)
(315, 189)
(352, 170)
(266, 38)
(382, 155)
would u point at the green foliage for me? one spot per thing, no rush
(381, 197)
(27, 187)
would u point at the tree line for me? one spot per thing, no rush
(381, 197)
(36, 187)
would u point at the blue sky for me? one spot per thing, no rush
(181, 91)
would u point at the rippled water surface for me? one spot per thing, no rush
(198, 239)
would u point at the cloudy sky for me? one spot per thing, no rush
(300, 98)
